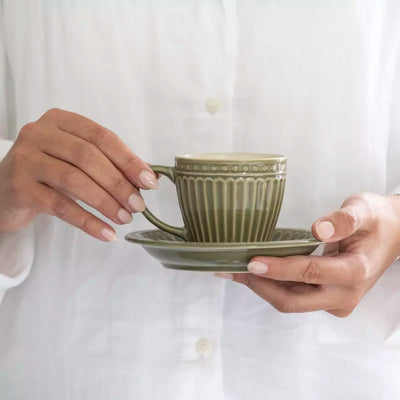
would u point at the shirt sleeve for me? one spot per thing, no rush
(393, 160)
(393, 166)
(16, 248)
(6, 92)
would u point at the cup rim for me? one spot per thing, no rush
(235, 157)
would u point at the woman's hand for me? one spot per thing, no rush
(64, 157)
(363, 241)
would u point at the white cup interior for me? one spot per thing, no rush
(231, 157)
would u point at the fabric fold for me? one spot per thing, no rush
(17, 255)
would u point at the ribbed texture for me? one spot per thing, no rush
(242, 209)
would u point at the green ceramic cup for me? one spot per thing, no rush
(226, 197)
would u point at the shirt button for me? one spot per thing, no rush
(203, 347)
(213, 105)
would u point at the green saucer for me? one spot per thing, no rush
(174, 253)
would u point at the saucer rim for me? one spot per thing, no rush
(205, 246)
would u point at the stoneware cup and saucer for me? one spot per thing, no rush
(230, 204)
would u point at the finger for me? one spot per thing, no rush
(67, 178)
(54, 203)
(70, 195)
(134, 169)
(287, 298)
(340, 313)
(95, 164)
(157, 174)
(298, 297)
(342, 223)
(344, 269)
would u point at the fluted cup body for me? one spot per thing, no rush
(233, 197)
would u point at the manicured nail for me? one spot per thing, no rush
(109, 235)
(123, 216)
(224, 276)
(325, 229)
(148, 179)
(257, 268)
(136, 202)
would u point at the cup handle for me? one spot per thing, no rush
(181, 232)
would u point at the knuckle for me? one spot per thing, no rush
(119, 184)
(284, 305)
(85, 223)
(353, 198)
(343, 313)
(350, 302)
(313, 273)
(85, 152)
(361, 271)
(349, 219)
(133, 162)
(52, 112)
(363, 196)
(102, 134)
(28, 130)
(105, 204)
(69, 178)
(367, 199)
(59, 207)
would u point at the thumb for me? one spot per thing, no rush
(343, 222)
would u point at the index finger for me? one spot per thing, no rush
(289, 298)
(343, 269)
(135, 169)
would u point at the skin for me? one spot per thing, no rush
(363, 240)
(63, 157)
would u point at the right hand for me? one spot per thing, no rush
(63, 157)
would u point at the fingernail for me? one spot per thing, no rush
(224, 276)
(109, 235)
(136, 202)
(123, 216)
(257, 267)
(148, 180)
(325, 229)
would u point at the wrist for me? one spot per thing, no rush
(394, 222)
(394, 208)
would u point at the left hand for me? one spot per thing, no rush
(363, 240)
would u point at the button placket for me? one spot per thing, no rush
(213, 104)
(201, 334)
(204, 347)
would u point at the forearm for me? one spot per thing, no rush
(16, 248)
(394, 226)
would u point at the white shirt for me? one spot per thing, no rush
(314, 80)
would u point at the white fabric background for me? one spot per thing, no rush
(314, 80)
